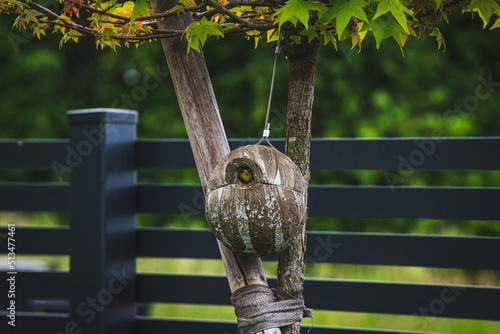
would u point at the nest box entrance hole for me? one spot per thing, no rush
(234, 167)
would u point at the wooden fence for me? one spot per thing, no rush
(100, 294)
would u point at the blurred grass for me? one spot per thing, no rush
(341, 319)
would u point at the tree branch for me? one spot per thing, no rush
(223, 10)
(140, 18)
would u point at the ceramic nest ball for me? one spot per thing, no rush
(256, 200)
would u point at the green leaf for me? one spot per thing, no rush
(484, 8)
(397, 10)
(31, 14)
(384, 27)
(329, 38)
(295, 10)
(141, 7)
(496, 24)
(199, 31)
(342, 11)
(310, 33)
(439, 38)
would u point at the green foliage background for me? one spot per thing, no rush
(370, 94)
(367, 94)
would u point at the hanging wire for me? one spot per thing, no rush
(267, 125)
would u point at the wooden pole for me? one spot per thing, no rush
(205, 130)
(302, 73)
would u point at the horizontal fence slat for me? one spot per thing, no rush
(335, 201)
(344, 153)
(31, 154)
(405, 299)
(348, 248)
(177, 154)
(35, 323)
(357, 153)
(346, 201)
(176, 243)
(39, 241)
(421, 153)
(341, 295)
(166, 153)
(28, 197)
(405, 202)
(146, 325)
(170, 199)
(454, 252)
(190, 289)
(329, 247)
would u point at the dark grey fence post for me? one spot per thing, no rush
(101, 155)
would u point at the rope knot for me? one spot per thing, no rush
(259, 307)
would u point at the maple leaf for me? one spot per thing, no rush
(199, 31)
(70, 9)
(39, 29)
(328, 38)
(484, 8)
(384, 28)
(496, 24)
(397, 9)
(439, 38)
(141, 7)
(342, 11)
(295, 10)
(31, 14)
(418, 6)
(20, 22)
(310, 33)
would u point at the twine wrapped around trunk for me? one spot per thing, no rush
(259, 307)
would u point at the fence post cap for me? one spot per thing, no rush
(102, 115)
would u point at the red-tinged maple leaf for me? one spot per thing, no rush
(20, 22)
(418, 6)
(421, 29)
(69, 10)
(218, 17)
(433, 20)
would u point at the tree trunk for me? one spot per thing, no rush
(302, 72)
(205, 130)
